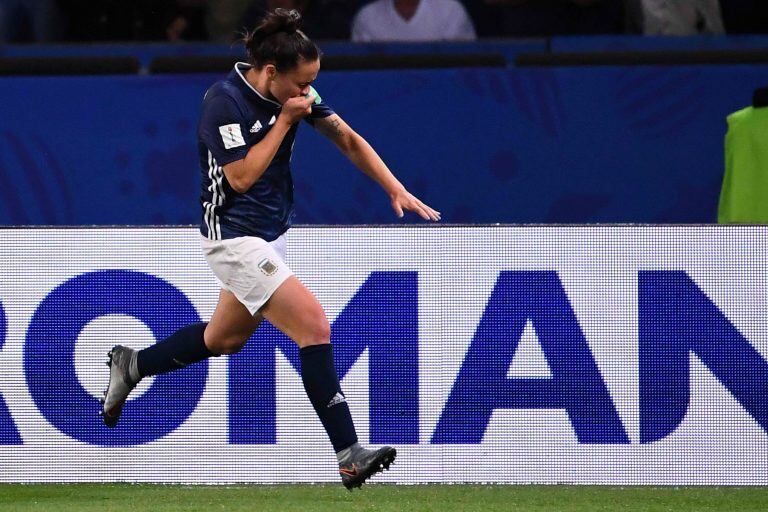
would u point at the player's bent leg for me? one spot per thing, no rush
(231, 329)
(231, 325)
(296, 312)
(127, 366)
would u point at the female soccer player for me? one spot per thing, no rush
(245, 140)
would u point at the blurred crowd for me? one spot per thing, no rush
(373, 20)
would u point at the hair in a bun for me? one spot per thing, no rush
(278, 40)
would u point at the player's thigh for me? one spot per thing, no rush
(295, 311)
(231, 325)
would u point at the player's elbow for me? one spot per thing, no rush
(350, 143)
(237, 177)
(240, 185)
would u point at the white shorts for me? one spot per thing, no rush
(249, 267)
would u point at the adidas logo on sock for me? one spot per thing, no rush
(337, 399)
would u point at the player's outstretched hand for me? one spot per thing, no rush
(297, 107)
(404, 200)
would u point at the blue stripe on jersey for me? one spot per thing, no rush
(234, 118)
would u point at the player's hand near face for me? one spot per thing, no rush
(297, 108)
(242, 174)
(404, 200)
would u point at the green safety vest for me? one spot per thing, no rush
(744, 195)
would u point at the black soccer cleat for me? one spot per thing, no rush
(361, 464)
(120, 384)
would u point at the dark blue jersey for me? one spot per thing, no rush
(234, 118)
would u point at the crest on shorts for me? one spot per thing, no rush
(266, 266)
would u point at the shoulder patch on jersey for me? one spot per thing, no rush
(231, 136)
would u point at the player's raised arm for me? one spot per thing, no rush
(360, 153)
(242, 174)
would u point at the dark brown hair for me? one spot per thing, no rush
(277, 40)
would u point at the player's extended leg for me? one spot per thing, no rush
(230, 327)
(297, 313)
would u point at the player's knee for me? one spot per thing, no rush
(316, 332)
(225, 345)
(232, 346)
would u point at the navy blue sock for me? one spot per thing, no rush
(322, 385)
(180, 349)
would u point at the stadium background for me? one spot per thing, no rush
(532, 144)
(514, 140)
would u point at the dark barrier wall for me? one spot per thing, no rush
(509, 48)
(611, 43)
(604, 144)
(146, 52)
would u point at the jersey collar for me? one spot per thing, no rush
(242, 77)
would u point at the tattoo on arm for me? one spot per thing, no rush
(329, 128)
